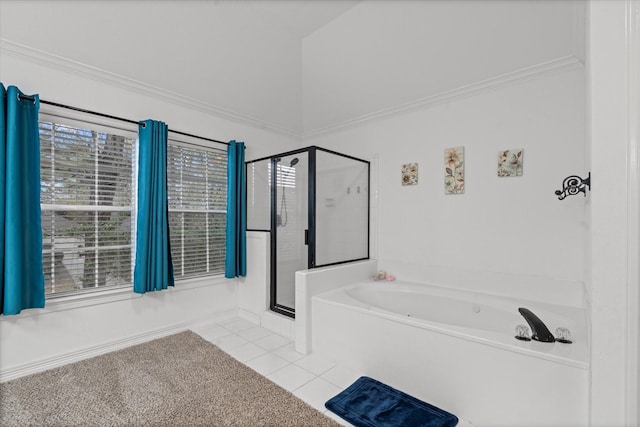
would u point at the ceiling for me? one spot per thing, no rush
(385, 56)
(298, 65)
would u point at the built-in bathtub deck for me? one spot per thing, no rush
(487, 377)
(482, 318)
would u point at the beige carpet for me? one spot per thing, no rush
(180, 380)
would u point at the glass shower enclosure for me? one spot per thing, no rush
(315, 205)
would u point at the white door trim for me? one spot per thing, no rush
(632, 11)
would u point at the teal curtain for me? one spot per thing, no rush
(153, 269)
(236, 243)
(22, 276)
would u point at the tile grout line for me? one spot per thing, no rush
(234, 333)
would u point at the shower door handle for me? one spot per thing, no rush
(306, 237)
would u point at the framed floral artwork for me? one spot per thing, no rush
(454, 170)
(510, 163)
(410, 174)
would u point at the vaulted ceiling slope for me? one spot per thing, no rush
(383, 54)
(299, 66)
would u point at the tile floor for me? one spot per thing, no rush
(312, 378)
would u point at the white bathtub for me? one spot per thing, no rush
(457, 350)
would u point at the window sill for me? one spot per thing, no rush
(108, 296)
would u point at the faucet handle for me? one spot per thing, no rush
(523, 333)
(539, 330)
(563, 335)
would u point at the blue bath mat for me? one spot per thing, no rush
(370, 403)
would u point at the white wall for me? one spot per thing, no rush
(512, 225)
(614, 100)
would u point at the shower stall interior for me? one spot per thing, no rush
(315, 205)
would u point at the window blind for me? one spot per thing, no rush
(197, 192)
(86, 201)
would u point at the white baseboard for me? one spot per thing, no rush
(249, 315)
(278, 323)
(77, 355)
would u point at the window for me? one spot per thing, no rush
(197, 190)
(86, 198)
(88, 183)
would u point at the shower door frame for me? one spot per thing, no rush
(310, 240)
(273, 264)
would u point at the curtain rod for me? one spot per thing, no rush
(82, 110)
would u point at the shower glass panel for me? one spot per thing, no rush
(290, 221)
(342, 209)
(259, 195)
(314, 203)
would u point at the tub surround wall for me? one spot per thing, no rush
(313, 282)
(571, 293)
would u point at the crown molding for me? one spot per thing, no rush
(49, 60)
(56, 62)
(474, 89)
